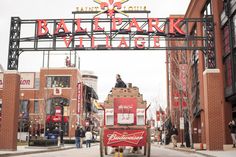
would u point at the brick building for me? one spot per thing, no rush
(42, 96)
(205, 111)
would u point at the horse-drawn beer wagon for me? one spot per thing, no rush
(125, 122)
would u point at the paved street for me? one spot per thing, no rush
(94, 152)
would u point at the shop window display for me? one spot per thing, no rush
(58, 81)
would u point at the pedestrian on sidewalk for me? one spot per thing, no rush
(232, 127)
(77, 137)
(174, 135)
(82, 136)
(159, 138)
(88, 138)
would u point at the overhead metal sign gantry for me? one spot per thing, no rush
(111, 33)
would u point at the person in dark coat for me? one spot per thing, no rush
(77, 137)
(232, 127)
(119, 82)
(82, 136)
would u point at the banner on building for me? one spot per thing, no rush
(176, 99)
(184, 99)
(79, 97)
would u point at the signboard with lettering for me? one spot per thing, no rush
(111, 6)
(50, 118)
(125, 137)
(125, 110)
(26, 80)
(57, 91)
(111, 27)
(58, 111)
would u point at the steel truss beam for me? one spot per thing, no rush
(20, 41)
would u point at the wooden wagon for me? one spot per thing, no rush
(125, 122)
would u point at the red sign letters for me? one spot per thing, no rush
(171, 26)
(125, 137)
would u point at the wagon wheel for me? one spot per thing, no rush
(106, 150)
(148, 145)
(145, 150)
(101, 143)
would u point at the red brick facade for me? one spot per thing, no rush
(12, 95)
(211, 127)
(213, 100)
(10, 111)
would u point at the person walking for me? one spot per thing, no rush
(174, 136)
(88, 138)
(232, 127)
(82, 136)
(77, 137)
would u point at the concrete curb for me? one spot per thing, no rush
(35, 152)
(190, 151)
(49, 149)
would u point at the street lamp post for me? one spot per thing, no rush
(181, 119)
(61, 127)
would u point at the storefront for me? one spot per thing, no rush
(56, 119)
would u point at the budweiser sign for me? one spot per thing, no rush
(124, 137)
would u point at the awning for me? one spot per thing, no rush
(97, 105)
(89, 91)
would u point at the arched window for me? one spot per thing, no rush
(57, 101)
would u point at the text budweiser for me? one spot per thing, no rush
(124, 137)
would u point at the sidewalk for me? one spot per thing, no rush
(23, 150)
(227, 152)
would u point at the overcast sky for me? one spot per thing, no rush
(145, 70)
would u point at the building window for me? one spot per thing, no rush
(36, 106)
(48, 107)
(37, 83)
(226, 39)
(58, 81)
(234, 72)
(24, 106)
(228, 72)
(207, 9)
(234, 32)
